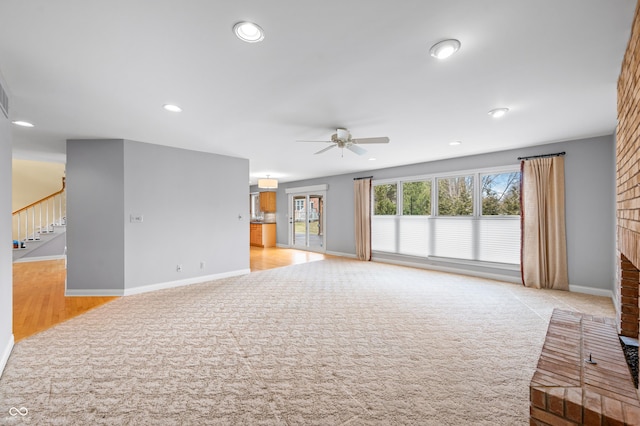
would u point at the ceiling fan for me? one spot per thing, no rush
(342, 139)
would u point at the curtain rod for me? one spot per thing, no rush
(365, 177)
(542, 156)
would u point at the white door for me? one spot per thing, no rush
(307, 220)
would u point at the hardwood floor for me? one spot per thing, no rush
(38, 289)
(38, 298)
(273, 257)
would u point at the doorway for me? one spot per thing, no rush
(307, 218)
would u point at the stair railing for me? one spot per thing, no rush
(40, 217)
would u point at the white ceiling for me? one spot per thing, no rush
(103, 69)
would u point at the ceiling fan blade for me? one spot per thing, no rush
(371, 140)
(316, 141)
(356, 149)
(324, 150)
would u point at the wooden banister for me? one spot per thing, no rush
(48, 197)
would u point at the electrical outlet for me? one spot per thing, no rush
(179, 268)
(136, 218)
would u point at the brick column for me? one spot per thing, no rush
(630, 281)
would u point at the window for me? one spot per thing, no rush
(385, 199)
(299, 205)
(254, 205)
(416, 198)
(476, 216)
(501, 194)
(455, 196)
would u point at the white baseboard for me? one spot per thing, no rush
(6, 352)
(180, 283)
(337, 253)
(39, 258)
(154, 287)
(93, 292)
(592, 291)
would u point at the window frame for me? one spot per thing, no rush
(433, 218)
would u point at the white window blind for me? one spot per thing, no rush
(499, 240)
(414, 236)
(384, 233)
(453, 237)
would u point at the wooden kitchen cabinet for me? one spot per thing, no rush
(268, 202)
(262, 234)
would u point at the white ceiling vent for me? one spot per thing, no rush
(4, 101)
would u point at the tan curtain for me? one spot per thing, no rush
(544, 245)
(362, 209)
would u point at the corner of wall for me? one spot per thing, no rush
(4, 357)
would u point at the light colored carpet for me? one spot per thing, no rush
(331, 342)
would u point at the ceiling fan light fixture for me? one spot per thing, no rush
(498, 112)
(445, 48)
(248, 32)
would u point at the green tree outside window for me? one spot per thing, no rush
(385, 199)
(416, 198)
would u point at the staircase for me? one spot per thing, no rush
(39, 228)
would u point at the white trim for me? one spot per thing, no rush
(40, 258)
(337, 253)
(291, 212)
(312, 188)
(590, 290)
(93, 292)
(496, 277)
(155, 287)
(180, 283)
(6, 353)
(482, 171)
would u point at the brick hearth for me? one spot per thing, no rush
(567, 390)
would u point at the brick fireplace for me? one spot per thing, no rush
(567, 389)
(628, 298)
(628, 186)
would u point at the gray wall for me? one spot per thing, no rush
(189, 202)
(6, 277)
(95, 205)
(590, 203)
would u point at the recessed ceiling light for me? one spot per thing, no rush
(172, 108)
(372, 159)
(249, 32)
(498, 112)
(454, 143)
(444, 48)
(22, 123)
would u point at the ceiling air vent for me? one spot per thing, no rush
(4, 101)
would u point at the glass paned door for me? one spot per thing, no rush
(307, 221)
(300, 221)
